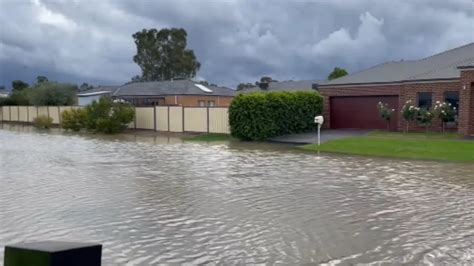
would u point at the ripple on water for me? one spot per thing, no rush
(156, 201)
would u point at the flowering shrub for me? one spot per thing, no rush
(424, 117)
(385, 113)
(445, 112)
(409, 112)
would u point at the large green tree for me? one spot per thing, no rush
(162, 55)
(53, 93)
(19, 85)
(41, 79)
(337, 73)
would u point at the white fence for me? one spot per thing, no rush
(158, 118)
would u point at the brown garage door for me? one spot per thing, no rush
(361, 112)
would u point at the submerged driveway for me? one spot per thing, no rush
(326, 135)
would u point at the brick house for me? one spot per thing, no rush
(178, 92)
(351, 101)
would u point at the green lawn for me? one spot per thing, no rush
(432, 146)
(211, 137)
(414, 135)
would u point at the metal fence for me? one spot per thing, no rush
(158, 118)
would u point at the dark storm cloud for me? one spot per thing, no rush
(236, 41)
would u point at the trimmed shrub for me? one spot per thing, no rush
(424, 118)
(259, 116)
(74, 119)
(43, 122)
(108, 117)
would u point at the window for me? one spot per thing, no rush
(452, 97)
(202, 103)
(424, 100)
(211, 103)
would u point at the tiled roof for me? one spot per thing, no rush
(440, 66)
(177, 87)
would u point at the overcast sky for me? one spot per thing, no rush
(235, 41)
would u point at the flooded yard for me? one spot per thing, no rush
(152, 200)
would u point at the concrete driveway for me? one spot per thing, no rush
(326, 135)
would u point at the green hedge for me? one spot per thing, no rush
(259, 116)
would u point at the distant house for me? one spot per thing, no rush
(351, 101)
(87, 97)
(290, 85)
(177, 92)
(3, 93)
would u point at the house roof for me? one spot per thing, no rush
(440, 66)
(467, 64)
(177, 87)
(100, 88)
(290, 85)
(88, 93)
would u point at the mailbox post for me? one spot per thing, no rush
(319, 120)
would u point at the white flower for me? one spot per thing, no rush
(437, 102)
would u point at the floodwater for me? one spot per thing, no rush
(152, 200)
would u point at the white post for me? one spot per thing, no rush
(319, 120)
(319, 134)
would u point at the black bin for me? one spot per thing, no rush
(53, 253)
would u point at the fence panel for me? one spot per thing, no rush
(54, 114)
(14, 113)
(6, 113)
(219, 120)
(32, 113)
(162, 118)
(145, 117)
(43, 110)
(195, 119)
(23, 113)
(176, 119)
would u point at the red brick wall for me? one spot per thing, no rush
(408, 91)
(466, 110)
(193, 100)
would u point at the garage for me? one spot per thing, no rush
(361, 112)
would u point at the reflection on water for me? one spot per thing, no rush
(154, 200)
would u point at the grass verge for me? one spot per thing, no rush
(442, 147)
(211, 137)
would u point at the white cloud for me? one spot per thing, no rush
(55, 19)
(369, 41)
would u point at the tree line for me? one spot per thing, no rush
(42, 92)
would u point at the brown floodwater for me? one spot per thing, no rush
(157, 199)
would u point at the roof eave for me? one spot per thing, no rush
(322, 86)
(465, 67)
